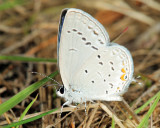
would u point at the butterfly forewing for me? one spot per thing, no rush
(80, 36)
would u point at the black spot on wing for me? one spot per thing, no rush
(88, 43)
(100, 63)
(95, 48)
(74, 30)
(79, 33)
(83, 38)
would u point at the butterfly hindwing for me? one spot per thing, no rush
(106, 75)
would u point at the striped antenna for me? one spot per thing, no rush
(46, 76)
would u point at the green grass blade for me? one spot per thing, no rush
(10, 4)
(26, 59)
(113, 122)
(146, 117)
(23, 94)
(30, 119)
(26, 110)
(146, 125)
(146, 104)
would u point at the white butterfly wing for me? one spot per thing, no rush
(80, 35)
(106, 75)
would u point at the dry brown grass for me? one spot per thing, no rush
(31, 30)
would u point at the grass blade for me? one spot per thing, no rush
(10, 4)
(146, 104)
(26, 110)
(30, 119)
(23, 94)
(113, 122)
(146, 117)
(26, 59)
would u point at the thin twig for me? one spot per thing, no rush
(119, 107)
(91, 117)
(110, 113)
(130, 111)
(25, 40)
(120, 7)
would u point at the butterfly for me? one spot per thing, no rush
(91, 67)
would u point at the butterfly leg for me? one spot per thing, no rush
(92, 101)
(85, 104)
(72, 106)
(66, 103)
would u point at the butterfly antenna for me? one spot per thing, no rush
(50, 85)
(119, 35)
(45, 76)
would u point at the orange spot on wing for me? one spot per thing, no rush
(123, 70)
(122, 77)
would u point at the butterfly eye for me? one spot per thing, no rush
(61, 90)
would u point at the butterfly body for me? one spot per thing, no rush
(91, 67)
